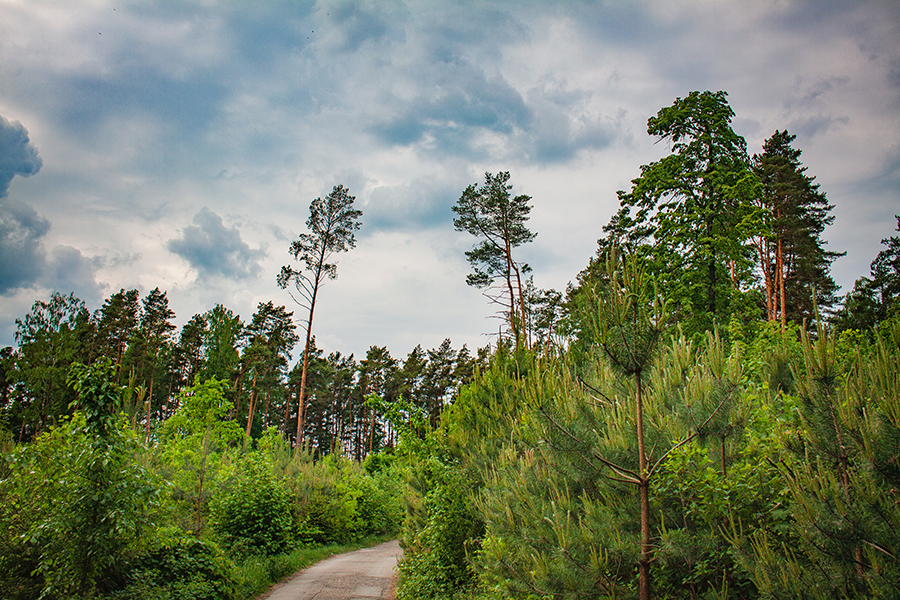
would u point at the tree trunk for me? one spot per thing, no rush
(298, 442)
(149, 404)
(644, 485)
(252, 403)
(513, 319)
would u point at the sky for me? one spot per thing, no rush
(179, 144)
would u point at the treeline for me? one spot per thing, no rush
(154, 361)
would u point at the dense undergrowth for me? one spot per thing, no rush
(773, 470)
(88, 510)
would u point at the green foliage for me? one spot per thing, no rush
(794, 265)
(842, 479)
(690, 213)
(197, 445)
(436, 565)
(252, 511)
(337, 501)
(50, 338)
(498, 219)
(180, 568)
(79, 501)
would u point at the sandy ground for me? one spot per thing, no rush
(367, 573)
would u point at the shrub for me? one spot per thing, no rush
(181, 568)
(78, 505)
(253, 514)
(436, 564)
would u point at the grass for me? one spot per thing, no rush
(257, 573)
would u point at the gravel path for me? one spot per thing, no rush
(367, 573)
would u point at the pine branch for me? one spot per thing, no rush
(628, 475)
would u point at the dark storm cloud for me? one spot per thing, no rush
(189, 104)
(21, 255)
(21, 227)
(17, 155)
(460, 97)
(213, 249)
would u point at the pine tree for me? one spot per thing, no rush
(794, 265)
(117, 323)
(691, 211)
(842, 477)
(150, 341)
(332, 224)
(498, 221)
(876, 297)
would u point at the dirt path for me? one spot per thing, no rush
(366, 573)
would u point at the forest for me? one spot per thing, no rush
(698, 415)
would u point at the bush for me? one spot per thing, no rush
(253, 514)
(436, 564)
(77, 505)
(327, 501)
(380, 503)
(181, 568)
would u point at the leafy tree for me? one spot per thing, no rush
(194, 445)
(876, 297)
(50, 338)
(691, 211)
(252, 514)
(83, 498)
(792, 261)
(332, 222)
(499, 222)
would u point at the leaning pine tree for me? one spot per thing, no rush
(332, 223)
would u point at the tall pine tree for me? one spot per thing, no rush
(794, 265)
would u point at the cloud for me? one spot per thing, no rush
(23, 261)
(68, 270)
(461, 98)
(21, 254)
(810, 126)
(17, 155)
(213, 249)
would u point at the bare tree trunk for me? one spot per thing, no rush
(252, 403)
(371, 428)
(779, 260)
(512, 296)
(149, 405)
(644, 485)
